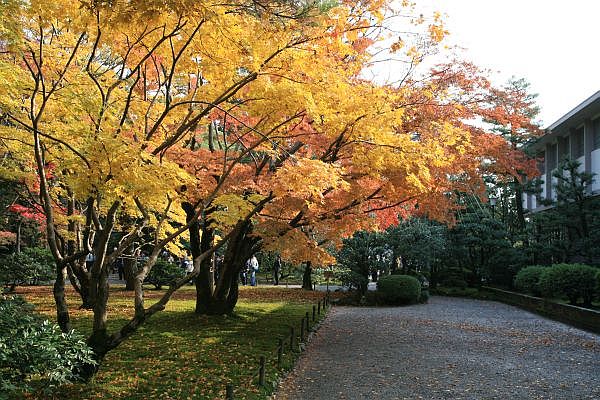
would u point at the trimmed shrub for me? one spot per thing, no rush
(164, 273)
(453, 277)
(30, 267)
(34, 353)
(528, 279)
(572, 281)
(399, 289)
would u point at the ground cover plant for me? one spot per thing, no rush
(180, 355)
(35, 356)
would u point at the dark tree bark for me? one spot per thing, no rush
(220, 297)
(81, 283)
(199, 244)
(519, 206)
(129, 269)
(307, 277)
(62, 310)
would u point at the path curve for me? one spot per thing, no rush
(450, 348)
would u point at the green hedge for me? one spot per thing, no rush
(528, 279)
(399, 289)
(573, 281)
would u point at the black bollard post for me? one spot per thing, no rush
(261, 372)
(229, 392)
(319, 307)
(292, 338)
(279, 352)
(302, 330)
(307, 322)
(314, 312)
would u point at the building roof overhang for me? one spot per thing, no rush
(577, 116)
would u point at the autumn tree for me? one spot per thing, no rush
(512, 113)
(101, 102)
(352, 161)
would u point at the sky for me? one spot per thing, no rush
(552, 44)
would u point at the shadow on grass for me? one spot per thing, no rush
(178, 354)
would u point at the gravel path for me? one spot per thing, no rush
(448, 349)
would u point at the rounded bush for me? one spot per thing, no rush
(572, 281)
(164, 273)
(399, 289)
(528, 279)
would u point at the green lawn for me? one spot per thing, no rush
(179, 355)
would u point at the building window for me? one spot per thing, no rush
(541, 164)
(577, 143)
(596, 127)
(563, 148)
(551, 157)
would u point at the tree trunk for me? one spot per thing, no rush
(62, 310)
(394, 266)
(199, 244)
(221, 298)
(82, 286)
(129, 270)
(307, 277)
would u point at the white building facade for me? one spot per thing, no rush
(576, 135)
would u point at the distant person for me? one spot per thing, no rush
(218, 266)
(89, 261)
(188, 264)
(253, 270)
(244, 273)
(120, 268)
(276, 269)
(113, 268)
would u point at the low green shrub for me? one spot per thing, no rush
(399, 289)
(32, 266)
(457, 292)
(528, 279)
(164, 273)
(573, 281)
(34, 353)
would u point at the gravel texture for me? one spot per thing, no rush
(450, 348)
